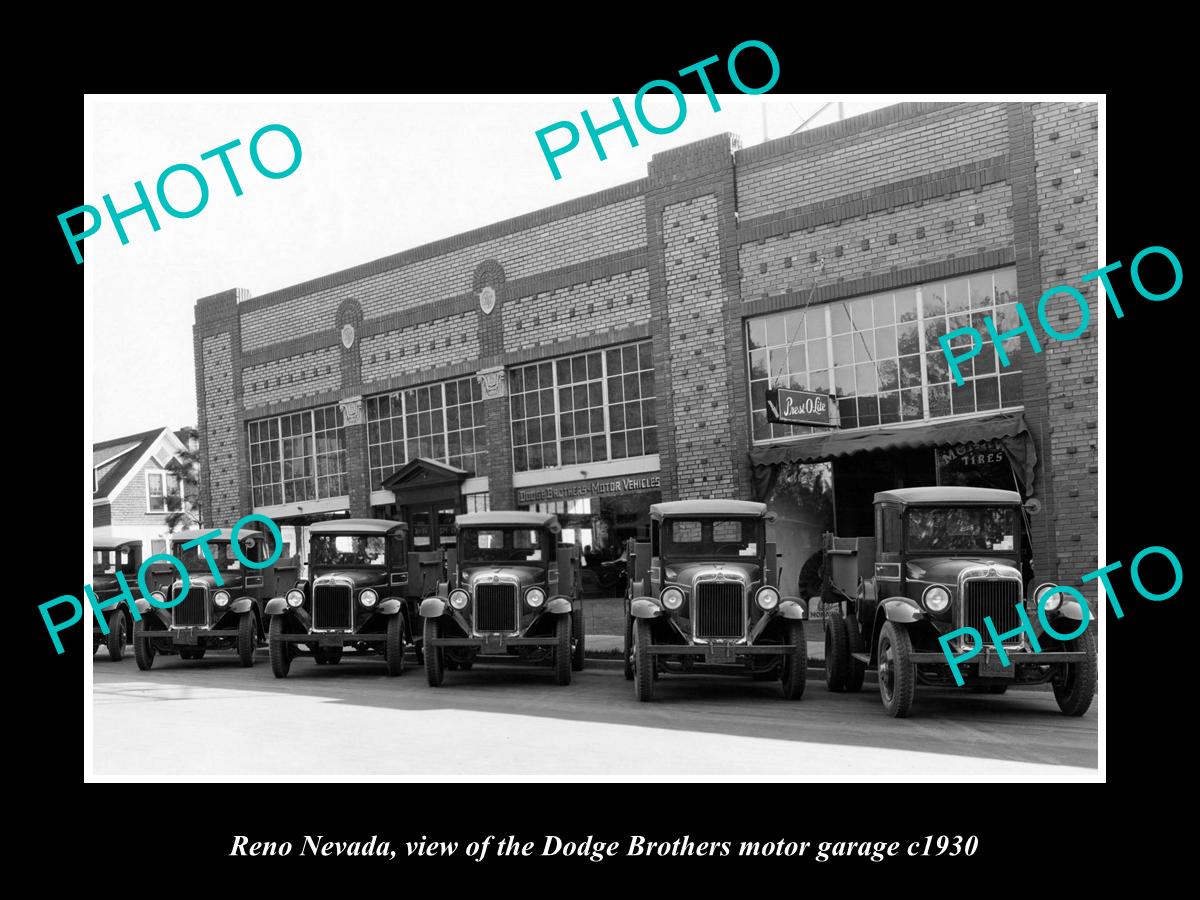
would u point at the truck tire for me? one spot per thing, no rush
(245, 639)
(116, 635)
(279, 650)
(897, 674)
(393, 650)
(577, 632)
(562, 650)
(856, 671)
(643, 662)
(143, 649)
(1075, 694)
(837, 653)
(795, 664)
(628, 647)
(435, 668)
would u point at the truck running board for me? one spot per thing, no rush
(862, 657)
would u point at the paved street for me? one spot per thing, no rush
(212, 717)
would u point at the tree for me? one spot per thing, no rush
(183, 501)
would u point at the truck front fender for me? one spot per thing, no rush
(896, 610)
(275, 606)
(558, 604)
(241, 605)
(151, 613)
(643, 608)
(1069, 609)
(792, 608)
(389, 607)
(432, 607)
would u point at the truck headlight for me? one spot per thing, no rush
(294, 597)
(1053, 603)
(936, 598)
(368, 598)
(535, 597)
(672, 598)
(221, 599)
(767, 597)
(459, 598)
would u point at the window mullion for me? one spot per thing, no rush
(604, 399)
(921, 359)
(557, 416)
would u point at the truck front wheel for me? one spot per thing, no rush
(1075, 693)
(897, 674)
(837, 653)
(435, 668)
(795, 663)
(643, 661)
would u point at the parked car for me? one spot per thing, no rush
(705, 590)
(943, 558)
(111, 555)
(361, 596)
(512, 589)
(212, 616)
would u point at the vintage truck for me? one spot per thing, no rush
(705, 589)
(943, 558)
(111, 555)
(513, 589)
(362, 596)
(212, 616)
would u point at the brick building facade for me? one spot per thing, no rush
(599, 355)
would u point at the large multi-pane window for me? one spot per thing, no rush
(880, 356)
(585, 408)
(443, 421)
(300, 456)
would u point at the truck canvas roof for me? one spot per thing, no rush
(947, 495)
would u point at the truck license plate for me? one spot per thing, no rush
(720, 651)
(989, 666)
(330, 640)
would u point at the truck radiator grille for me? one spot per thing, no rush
(496, 607)
(332, 606)
(997, 598)
(193, 609)
(720, 610)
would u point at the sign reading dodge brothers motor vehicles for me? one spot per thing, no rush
(789, 407)
(632, 484)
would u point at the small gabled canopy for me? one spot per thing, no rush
(674, 508)
(356, 526)
(223, 534)
(947, 495)
(104, 539)
(501, 518)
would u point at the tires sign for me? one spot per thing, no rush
(790, 407)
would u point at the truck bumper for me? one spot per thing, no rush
(495, 643)
(720, 652)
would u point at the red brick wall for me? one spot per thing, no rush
(1065, 150)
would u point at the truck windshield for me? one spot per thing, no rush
(712, 538)
(193, 558)
(941, 529)
(348, 550)
(509, 545)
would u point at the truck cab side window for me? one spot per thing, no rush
(891, 530)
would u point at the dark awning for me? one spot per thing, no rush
(1008, 427)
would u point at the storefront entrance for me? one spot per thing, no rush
(428, 497)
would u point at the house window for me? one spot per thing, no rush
(301, 456)
(444, 422)
(160, 486)
(581, 409)
(879, 355)
(477, 502)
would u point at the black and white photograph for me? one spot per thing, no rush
(595, 438)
